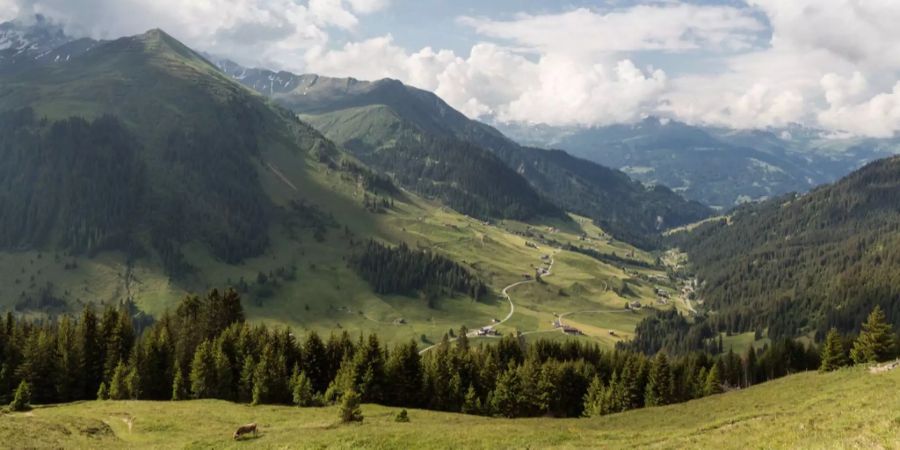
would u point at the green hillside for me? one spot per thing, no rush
(804, 263)
(463, 176)
(626, 208)
(850, 408)
(139, 171)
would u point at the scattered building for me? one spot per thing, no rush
(488, 331)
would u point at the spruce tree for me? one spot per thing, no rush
(713, 383)
(179, 386)
(245, 384)
(301, 388)
(876, 341)
(92, 352)
(223, 375)
(133, 382)
(203, 372)
(659, 384)
(315, 361)
(103, 392)
(471, 402)
(350, 410)
(507, 395)
(118, 390)
(833, 356)
(22, 398)
(594, 398)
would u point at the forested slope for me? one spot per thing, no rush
(141, 145)
(804, 263)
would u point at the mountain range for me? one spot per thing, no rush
(717, 166)
(374, 119)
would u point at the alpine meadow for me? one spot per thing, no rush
(395, 224)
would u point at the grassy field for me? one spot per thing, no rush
(850, 408)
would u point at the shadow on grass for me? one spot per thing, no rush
(249, 437)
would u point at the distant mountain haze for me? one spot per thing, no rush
(716, 166)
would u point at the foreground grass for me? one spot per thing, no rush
(847, 409)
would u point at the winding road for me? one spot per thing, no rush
(512, 306)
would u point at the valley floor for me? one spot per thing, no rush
(851, 408)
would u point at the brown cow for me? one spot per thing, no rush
(244, 429)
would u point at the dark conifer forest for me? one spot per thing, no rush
(405, 271)
(205, 349)
(799, 264)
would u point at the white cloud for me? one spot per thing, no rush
(878, 116)
(9, 10)
(582, 31)
(831, 63)
(495, 81)
(259, 32)
(796, 77)
(368, 6)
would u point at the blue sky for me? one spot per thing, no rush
(830, 64)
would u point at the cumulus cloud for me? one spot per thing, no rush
(766, 63)
(498, 82)
(263, 32)
(9, 10)
(583, 31)
(878, 116)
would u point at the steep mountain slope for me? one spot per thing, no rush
(804, 263)
(625, 208)
(188, 141)
(719, 167)
(463, 176)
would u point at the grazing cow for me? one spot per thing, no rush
(245, 429)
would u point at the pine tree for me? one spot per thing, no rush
(203, 372)
(301, 388)
(245, 384)
(350, 410)
(22, 398)
(92, 352)
(102, 392)
(594, 398)
(315, 362)
(876, 341)
(179, 387)
(223, 375)
(404, 375)
(471, 402)
(118, 390)
(133, 382)
(345, 380)
(506, 397)
(659, 384)
(68, 385)
(833, 356)
(713, 383)
(750, 367)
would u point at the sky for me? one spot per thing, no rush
(831, 64)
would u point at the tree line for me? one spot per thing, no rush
(405, 271)
(205, 349)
